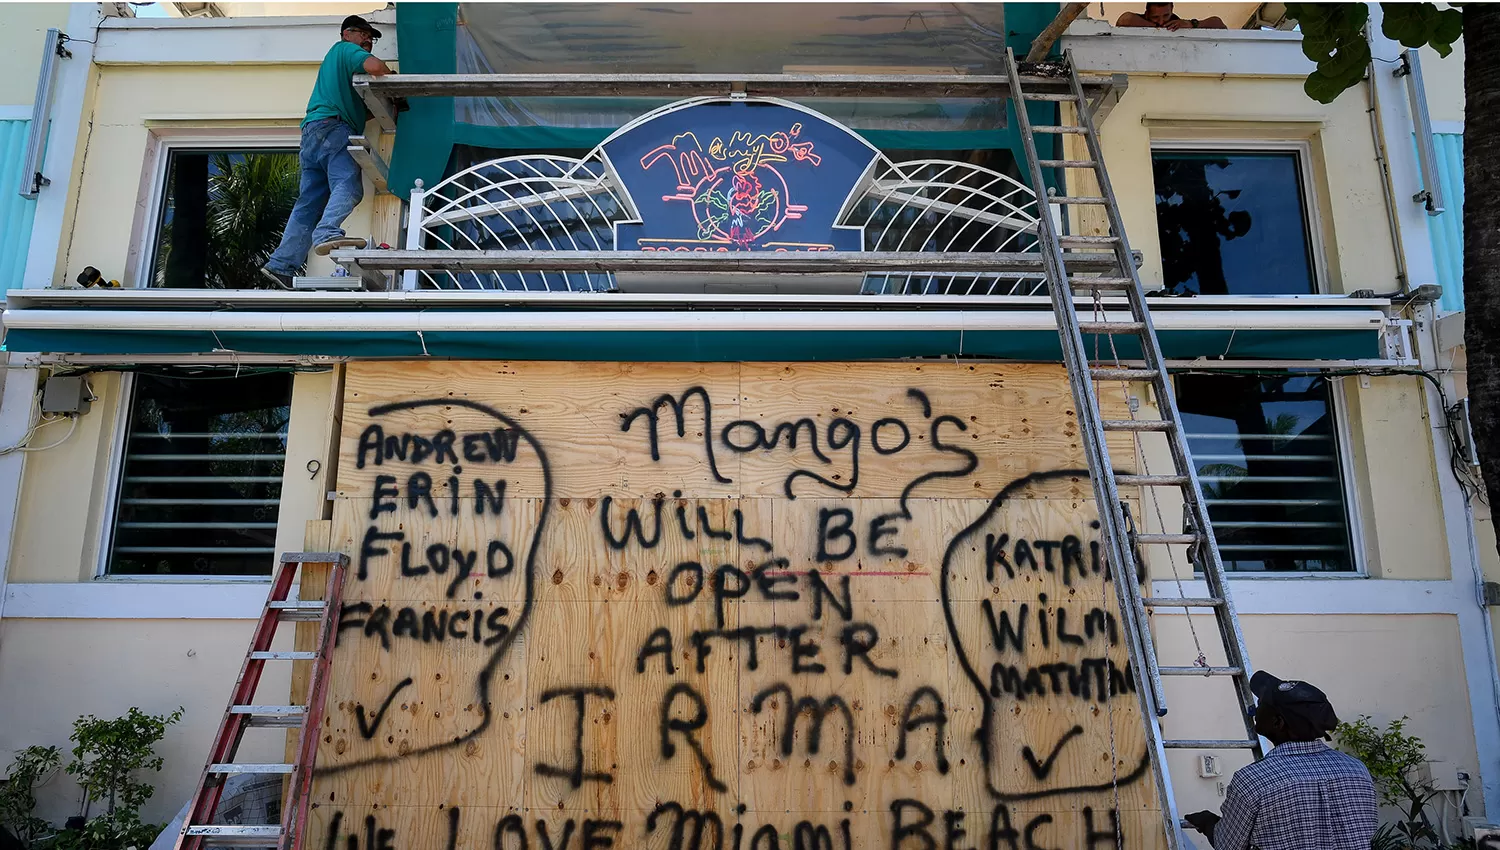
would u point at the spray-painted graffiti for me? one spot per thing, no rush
(706, 616)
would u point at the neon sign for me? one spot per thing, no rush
(771, 178)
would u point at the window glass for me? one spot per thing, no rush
(201, 483)
(1233, 223)
(1266, 451)
(222, 216)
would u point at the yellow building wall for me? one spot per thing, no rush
(1357, 249)
(1395, 483)
(22, 28)
(1444, 80)
(53, 670)
(64, 494)
(1489, 561)
(132, 102)
(56, 670)
(62, 526)
(1394, 489)
(233, 9)
(1384, 666)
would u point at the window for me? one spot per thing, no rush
(1267, 454)
(222, 214)
(1233, 222)
(201, 482)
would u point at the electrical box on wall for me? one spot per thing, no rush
(69, 396)
(1444, 776)
(1482, 832)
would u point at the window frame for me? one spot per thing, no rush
(1353, 514)
(1311, 205)
(161, 143)
(110, 513)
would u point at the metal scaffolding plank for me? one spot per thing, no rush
(812, 262)
(379, 93)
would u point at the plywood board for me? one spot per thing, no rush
(725, 607)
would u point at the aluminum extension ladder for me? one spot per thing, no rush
(198, 828)
(1117, 529)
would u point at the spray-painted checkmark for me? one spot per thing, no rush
(1040, 769)
(368, 732)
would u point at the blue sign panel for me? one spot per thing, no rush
(738, 176)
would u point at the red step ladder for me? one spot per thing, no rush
(198, 828)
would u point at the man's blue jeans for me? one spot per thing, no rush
(331, 188)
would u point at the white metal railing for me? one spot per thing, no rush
(553, 203)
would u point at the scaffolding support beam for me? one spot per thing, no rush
(800, 262)
(370, 162)
(379, 93)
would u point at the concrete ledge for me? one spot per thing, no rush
(1099, 47)
(1330, 595)
(229, 41)
(137, 599)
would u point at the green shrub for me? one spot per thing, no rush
(18, 793)
(1393, 758)
(107, 754)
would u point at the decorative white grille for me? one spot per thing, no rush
(555, 203)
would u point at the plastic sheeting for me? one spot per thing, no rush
(732, 38)
(749, 38)
(831, 38)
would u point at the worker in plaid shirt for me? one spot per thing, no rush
(1303, 795)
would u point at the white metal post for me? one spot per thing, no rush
(413, 232)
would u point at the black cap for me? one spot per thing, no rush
(355, 22)
(1306, 710)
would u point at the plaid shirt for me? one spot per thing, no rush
(1301, 796)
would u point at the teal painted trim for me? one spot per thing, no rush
(694, 346)
(424, 133)
(16, 212)
(537, 137)
(1447, 230)
(1025, 21)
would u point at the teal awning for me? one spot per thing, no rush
(695, 346)
(666, 327)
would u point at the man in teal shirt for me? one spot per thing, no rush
(331, 183)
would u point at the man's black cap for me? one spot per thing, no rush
(1306, 710)
(355, 22)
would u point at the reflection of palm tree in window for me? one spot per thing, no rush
(225, 217)
(1282, 428)
(1193, 223)
(1230, 475)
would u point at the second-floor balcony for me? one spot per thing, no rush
(891, 211)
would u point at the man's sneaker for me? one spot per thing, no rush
(282, 281)
(322, 248)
